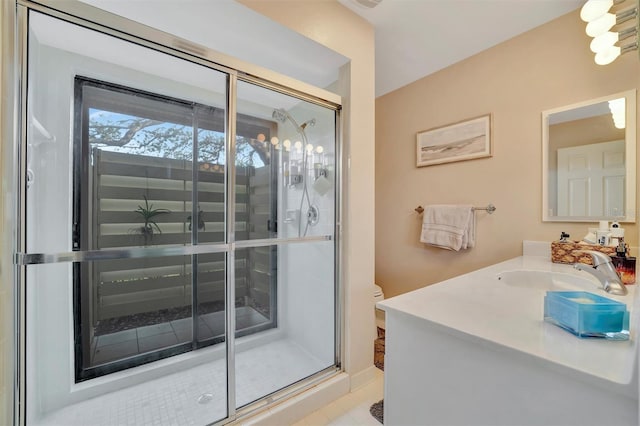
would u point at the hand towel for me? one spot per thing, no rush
(451, 227)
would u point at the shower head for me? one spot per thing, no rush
(311, 123)
(279, 114)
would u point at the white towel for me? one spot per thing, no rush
(451, 227)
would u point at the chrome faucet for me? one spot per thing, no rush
(604, 271)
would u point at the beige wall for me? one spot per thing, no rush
(336, 27)
(515, 81)
(583, 132)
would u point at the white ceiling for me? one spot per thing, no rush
(415, 38)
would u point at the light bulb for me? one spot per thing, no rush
(261, 137)
(274, 141)
(319, 149)
(594, 9)
(298, 146)
(604, 41)
(286, 144)
(607, 56)
(309, 147)
(601, 25)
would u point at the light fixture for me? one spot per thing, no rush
(603, 26)
(275, 142)
(606, 56)
(608, 39)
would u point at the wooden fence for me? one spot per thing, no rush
(120, 182)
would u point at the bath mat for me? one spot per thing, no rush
(377, 410)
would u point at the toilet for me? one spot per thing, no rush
(378, 296)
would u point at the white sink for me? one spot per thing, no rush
(547, 280)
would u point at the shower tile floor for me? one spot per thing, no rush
(196, 396)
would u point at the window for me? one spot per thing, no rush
(142, 161)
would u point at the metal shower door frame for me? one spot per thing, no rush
(15, 25)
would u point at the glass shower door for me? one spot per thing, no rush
(179, 259)
(126, 169)
(287, 239)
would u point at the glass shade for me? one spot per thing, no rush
(601, 25)
(607, 56)
(604, 41)
(593, 9)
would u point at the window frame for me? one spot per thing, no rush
(82, 204)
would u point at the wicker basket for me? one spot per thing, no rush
(563, 252)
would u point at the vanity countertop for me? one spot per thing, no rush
(479, 306)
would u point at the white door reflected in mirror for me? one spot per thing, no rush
(589, 160)
(591, 180)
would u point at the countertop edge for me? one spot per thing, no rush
(402, 304)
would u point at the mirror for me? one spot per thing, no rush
(589, 161)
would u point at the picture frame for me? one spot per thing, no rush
(465, 140)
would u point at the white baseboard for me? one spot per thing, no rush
(296, 408)
(363, 377)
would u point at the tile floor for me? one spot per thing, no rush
(350, 410)
(139, 340)
(196, 396)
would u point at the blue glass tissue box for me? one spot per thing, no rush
(587, 315)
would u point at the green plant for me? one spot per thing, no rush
(148, 214)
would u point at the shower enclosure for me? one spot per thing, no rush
(177, 253)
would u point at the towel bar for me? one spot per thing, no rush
(490, 209)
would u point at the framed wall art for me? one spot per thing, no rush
(465, 140)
